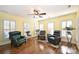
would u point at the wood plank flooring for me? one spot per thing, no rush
(35, 46)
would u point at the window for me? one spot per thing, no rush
(64, 25)
(41, 27)
(26, 28)
(51, 28)
(8, 26)
(69, 23)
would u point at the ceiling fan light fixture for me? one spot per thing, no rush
(69, 6)
(37, 14)
(41, 16)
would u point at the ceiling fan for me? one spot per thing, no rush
(37, 13)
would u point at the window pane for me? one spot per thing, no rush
(12, 25)
(26, 27)
(63, 24)
(50, 28)
(63, 27)
(6, 33)
(41, 27)
(6, 24)
(69, 23)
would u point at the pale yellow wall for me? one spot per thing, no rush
(19, 23)
(57, 23)
(77, 27)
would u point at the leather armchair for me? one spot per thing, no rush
(28, 33)
(41, 35)
(55, 38)
(16, 38)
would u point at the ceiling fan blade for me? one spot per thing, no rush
(42, 14)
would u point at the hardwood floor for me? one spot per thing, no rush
(35, 46)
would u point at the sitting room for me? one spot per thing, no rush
(39, 29)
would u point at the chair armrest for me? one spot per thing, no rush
(22, 36)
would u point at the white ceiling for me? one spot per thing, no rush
(51, 10)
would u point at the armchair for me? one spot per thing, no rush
(16, 38)
(28, 33)
(55, 38)
(41, 35)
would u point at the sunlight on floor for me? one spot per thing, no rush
(67, 50)
(41, 47)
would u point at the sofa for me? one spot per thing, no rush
(16, 38)
(54, 39)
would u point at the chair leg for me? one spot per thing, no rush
(25, 42)
(11, 45)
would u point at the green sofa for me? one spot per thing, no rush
(16, 38)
